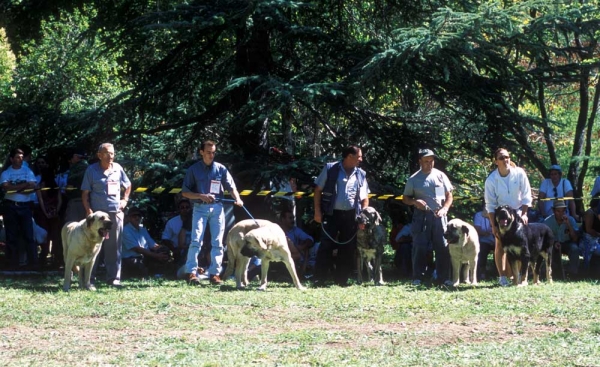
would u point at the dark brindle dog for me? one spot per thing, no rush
(524, 245)
(370, 241)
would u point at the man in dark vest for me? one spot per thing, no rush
(341, 191)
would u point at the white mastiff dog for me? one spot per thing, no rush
(260, 238)
(463, 244)
(81, 244)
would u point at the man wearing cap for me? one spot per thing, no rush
(429, 190)
(203, 185)
(341, 192)
(566, 235)
(140, 252)
(555, 187)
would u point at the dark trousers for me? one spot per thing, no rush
(18, 221)
(341, 227)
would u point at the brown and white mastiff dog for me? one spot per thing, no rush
(260, 238)
(81, 244)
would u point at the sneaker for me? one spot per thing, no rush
(448, 283)
(416, 282)
(215, 280)
(503, 281)
(192, 279)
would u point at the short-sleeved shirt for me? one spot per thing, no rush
(97, 183)
(172, 229)
(201, 178)
(23, 174)
(561, 232)
(430, 187)
(297, 235)
(547, 187)
(347, 188)
(133, 238)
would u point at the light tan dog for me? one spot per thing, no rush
(463, 244)
(263, 239)
(81, 244)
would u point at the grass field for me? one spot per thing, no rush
(164, 323)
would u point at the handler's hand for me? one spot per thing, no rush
(239, 203)
(441, 212)
(525, 218)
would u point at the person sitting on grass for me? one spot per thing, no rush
(141, 254)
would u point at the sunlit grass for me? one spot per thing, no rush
(163, 323)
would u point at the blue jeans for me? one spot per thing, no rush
(18, 221)
(211, 215)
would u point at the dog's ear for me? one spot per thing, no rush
(378, 219)
(465, 230)
(89, 220)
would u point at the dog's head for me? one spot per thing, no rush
(99, 222)
(505, 216)
(456, 230)
(368, 218)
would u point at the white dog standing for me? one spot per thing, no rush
(463, 244)
(263, 239)
(81, 244)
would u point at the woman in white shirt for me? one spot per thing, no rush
(506, 185)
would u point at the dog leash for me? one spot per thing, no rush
(233, 201)
(334, 241)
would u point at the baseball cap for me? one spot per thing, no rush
(425, 153)
(555, 167)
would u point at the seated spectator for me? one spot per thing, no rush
(566, 236)
(401, 241)
(591, 231)
(487, 242)
(170, 235)
(556, 187)
(141, 255)
(302, 241)
(184, 239)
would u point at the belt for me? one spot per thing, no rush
(17, 203)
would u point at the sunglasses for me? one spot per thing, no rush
(503, 157)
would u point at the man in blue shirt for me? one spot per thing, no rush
(140, 252)
(18, 216)
(203, 185)
(341, 191)
(101, 191)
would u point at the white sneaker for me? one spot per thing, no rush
(416, 282)
(503, 281)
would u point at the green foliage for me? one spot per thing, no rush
(7, 65)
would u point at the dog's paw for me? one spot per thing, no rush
(91, 288)
(523, 284)
(380, 283)
(301, 288)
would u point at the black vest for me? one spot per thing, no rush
(329, 193)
